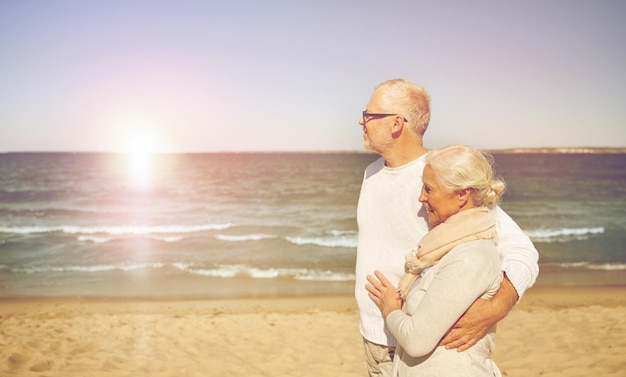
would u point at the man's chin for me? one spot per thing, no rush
(367, 145)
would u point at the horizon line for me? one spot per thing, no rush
(581, 149)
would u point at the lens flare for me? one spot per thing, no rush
(140, 151)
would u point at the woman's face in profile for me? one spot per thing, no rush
(439, 203)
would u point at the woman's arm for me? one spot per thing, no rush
(520, 265)
(463, 275)
(480, 317)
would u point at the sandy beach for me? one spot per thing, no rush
(552, 332)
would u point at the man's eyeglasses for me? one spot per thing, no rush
(367, 116)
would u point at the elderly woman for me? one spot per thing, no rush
(455, 263)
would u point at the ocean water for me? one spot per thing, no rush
(263, 224)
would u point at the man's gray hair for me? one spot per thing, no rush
(408, 99)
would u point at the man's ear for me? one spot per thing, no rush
(398, 125)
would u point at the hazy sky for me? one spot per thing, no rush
(203, 76)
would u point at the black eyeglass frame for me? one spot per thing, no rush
(380, 115)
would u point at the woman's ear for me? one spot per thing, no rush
(464, 197)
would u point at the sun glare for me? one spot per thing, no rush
(140, 151)
(140, 137)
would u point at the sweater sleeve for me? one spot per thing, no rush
(462, 276)
(519, 255)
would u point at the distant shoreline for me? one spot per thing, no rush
(557, 150)
(544, 150)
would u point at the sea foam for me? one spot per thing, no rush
(563, 234)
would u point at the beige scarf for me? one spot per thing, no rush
(471, 224)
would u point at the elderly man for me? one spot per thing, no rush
(392, 221)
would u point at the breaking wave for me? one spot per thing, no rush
(563, 234)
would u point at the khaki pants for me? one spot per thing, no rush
(379, 359)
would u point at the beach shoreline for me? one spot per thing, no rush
(150, 285)
(554, 331)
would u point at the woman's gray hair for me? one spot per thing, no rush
(408, 99)
(461, 167)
